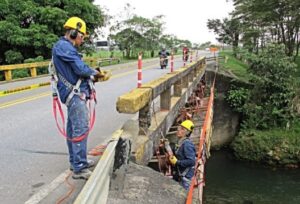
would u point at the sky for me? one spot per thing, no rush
(185, 19)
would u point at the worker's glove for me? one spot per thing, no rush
(102, 75)
(173, 160)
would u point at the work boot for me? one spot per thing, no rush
(91, 163)
(83, 174)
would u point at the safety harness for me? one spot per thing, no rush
(75, 90)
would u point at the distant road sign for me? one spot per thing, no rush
(213, 49)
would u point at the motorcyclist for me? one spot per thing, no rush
(185, 53)
(163, 54)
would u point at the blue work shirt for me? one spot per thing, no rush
(186, 154)
(68, 64)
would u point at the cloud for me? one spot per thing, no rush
(185, 19)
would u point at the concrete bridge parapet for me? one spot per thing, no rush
(172, 92)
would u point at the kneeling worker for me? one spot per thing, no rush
(184, 159)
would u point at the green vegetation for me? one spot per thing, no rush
(270, 127)
(134, 34)
(235, 66)
(121, 54)
(23, 73)
(275, 147)
(268, 103)
(256, 23)
(30, 28)
(297, 75)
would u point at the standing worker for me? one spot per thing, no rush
(74, 90)
(184, 159)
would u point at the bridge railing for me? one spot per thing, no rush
(205, 135)
(215, 58)
(173, 91)
(96, 188)
(92, 61)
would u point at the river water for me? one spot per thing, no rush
(231, 181)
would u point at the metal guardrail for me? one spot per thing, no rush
(215, 58)
(109, 60)
(96, 188)
(92, 61)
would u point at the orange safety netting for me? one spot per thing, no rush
(201, 152)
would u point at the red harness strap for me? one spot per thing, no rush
(62, 129)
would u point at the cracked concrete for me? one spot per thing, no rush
(135, 184)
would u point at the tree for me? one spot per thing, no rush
(228, 31)
(270, 21)
(205, 45)
(132, 32)
(30, 27)
(127, 40)
(154, 34)
(268, 103)
(137, 33)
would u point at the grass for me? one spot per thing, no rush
(108, 54)
(234, 66)
(119, 54)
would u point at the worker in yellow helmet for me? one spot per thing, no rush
(184, 159)
(77, 28)
(75, 89)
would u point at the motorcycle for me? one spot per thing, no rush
(185, 57)
(163, 62)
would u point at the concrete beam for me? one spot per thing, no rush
(165, 100)
(133, 101)
(138, 98)
(166, 118)
(144, 146)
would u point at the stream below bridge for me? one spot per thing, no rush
(232, 181)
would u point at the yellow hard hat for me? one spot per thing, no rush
(76, 23)
(188, 124)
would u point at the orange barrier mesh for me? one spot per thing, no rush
(200, 148)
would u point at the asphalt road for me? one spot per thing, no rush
(32, 151)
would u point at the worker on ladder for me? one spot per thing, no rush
(74, 88)
(184, 159)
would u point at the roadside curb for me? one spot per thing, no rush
(23, 88)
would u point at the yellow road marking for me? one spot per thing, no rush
(22, 89)
(23, 100)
